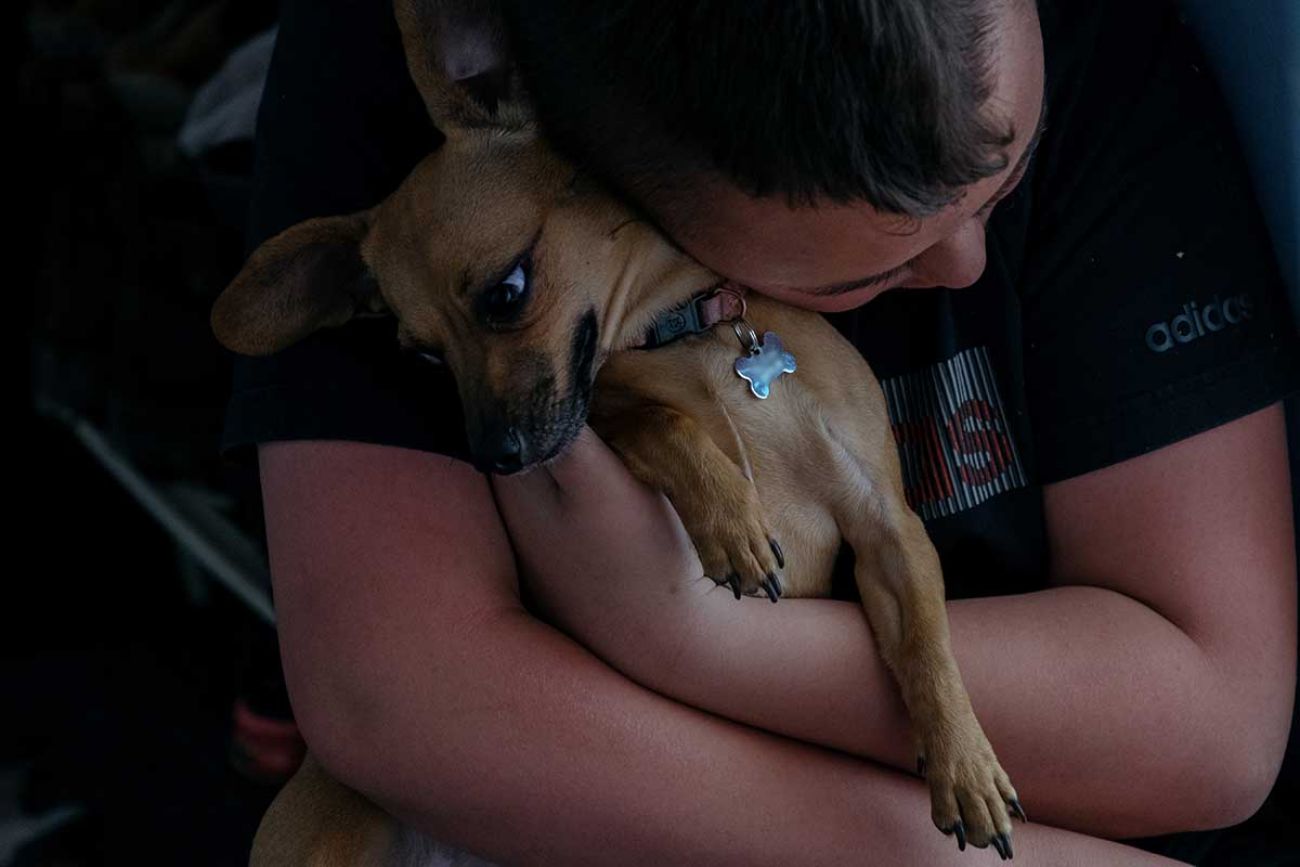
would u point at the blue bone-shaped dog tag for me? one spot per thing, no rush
(765, 363)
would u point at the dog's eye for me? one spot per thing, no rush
(431, 357)
(503, 301)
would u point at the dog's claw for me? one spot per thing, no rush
(773, 587)
(1018, 810)
(777, 553)
(733, 580)
(960, 830)
(1002, 843)
(920, 766)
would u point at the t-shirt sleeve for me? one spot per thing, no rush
(339, 127)
(1151, 300)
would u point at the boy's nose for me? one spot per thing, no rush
(955, 262)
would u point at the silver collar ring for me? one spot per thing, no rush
(746, 335)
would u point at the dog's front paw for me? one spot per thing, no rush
(971, 797)
(732, 540)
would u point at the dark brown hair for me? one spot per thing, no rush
(881, 101)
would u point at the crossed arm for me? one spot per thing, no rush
(419, 679)
(1148, 691)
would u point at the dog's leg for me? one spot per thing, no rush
(717, 503)
(899, 577)
(316, 821)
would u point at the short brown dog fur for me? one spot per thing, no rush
(813, 465)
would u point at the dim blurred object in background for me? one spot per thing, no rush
(149, 723)
(139, 235)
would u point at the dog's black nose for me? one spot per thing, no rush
(503, 451)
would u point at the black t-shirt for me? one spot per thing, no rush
(1131, 297)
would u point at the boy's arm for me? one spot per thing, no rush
(418, 679)
(1151, 691)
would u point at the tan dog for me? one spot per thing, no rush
(536, 287)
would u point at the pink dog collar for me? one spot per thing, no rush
(723, 303)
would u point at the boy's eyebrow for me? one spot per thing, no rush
(1021, 164)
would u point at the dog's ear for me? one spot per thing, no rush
(308, 277)
(457, 53)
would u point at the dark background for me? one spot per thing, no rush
(122, 663)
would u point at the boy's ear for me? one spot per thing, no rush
(308, 277)
(456, 51)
